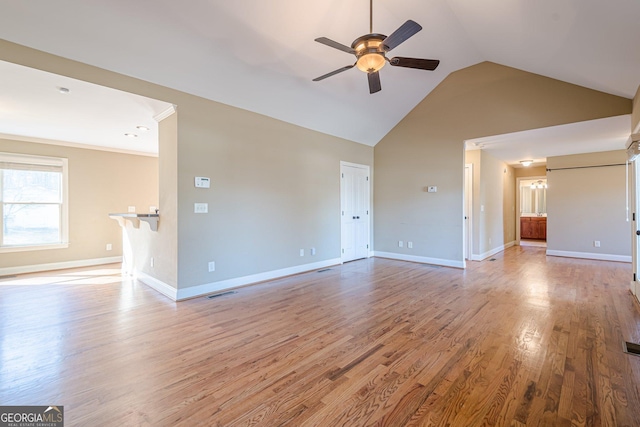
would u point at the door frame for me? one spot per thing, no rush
(518, 211)
(367, 168)
(467, 234)
(634, 204)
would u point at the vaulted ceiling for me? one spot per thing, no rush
(261, 56)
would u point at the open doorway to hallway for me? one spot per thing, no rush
(531, 224)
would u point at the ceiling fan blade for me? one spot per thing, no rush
(335, 45)
(374, 82)
(333, 73)
(420, 64)
(405, 31)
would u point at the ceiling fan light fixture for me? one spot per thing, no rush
(370, 62)
(370, 51)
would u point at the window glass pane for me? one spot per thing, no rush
(31, 186)
(30, 224)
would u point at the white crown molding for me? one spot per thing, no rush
(74, 145)
(166, 113)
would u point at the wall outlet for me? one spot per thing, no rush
(131, 209)
(481, 208)
(109, 246)
(313, 251)
(596, 243)
(400, 244)
(200, 207)
(212, 266)
(410, 245)
(151, 262)
(301, 252)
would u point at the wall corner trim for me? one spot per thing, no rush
(208, 288)
(35, 268)
(589, 255)
(420, 259)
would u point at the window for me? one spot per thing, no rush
(33, 202)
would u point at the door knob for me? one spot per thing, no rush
(357, 217)
(354, 217)
(637, 232)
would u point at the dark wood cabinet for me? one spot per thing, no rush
(533, 227)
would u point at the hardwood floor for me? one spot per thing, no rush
(522, 340)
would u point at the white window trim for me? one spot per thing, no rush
(64, 232)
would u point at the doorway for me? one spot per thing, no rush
(355, 211)
(531, 222)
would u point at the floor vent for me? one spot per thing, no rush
(322, 271)
(221, 294)
(7, 277)
(632, 348)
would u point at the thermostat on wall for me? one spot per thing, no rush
(202, 182)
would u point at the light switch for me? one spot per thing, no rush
(201, 207)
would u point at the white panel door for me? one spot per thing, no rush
(355, 211)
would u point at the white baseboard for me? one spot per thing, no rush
(223, 285)
(588, 255)
(8, 271)
(420, 259)
(158, 285)
(633, 288)
(492, 252)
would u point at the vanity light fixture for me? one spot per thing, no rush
(526, 163)
(538, 184)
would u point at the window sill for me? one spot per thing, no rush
(5, 249)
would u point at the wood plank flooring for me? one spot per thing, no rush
(525, 340)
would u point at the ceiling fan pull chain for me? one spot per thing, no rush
(370, 16)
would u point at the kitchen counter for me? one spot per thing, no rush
(135, 218)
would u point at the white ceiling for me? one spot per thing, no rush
(592, 136)
(260, 55)
(31, 105)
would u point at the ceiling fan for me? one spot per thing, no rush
(370, 52)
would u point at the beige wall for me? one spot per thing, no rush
(99, 183)
(274, 186)
(275, 189)
(584, 205)
(427, 148)
(530, 171)
(493, 203)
